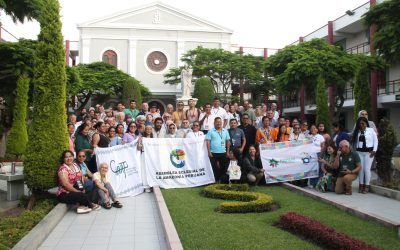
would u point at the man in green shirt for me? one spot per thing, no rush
(349, 166)
(132, 111)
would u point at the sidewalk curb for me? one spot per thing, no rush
(172, 237)
(386, 192)
(359, 213)
(38, 234)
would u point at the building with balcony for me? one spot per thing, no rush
(349, 32)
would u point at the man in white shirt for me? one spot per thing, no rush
(219, 111)
(195, 132)
(207, 119)
(276, 113)
(232, 114)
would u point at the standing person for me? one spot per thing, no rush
(338, 133)
(82, 142)
(322, 131)
(296, 135)
(371, 124)
(249, 111)
(195, 132)
(70, 187)
(249, 132)
(238, 139)
(304, 129)
(159, 131)
(120, 130)
(259, 116)
(272, 122)
(71, 137)
(177, 116)
(349, 165)
(232, 114)
(274, 108)
(263, 135)
(132, 111)
(219, 111)
(145, 109)
(317, 140)
(253, 166)
(207, 119)
(280, 134)
(113, 137)
(218, 144)
(365, 141)
(193, 113)
(169, 111)
(131, 133)
(100, 140)
(106, 192)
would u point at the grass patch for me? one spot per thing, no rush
(13, 229)
(199, 227)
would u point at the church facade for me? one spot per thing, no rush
(147, 41)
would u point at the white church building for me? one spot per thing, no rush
(147, 41)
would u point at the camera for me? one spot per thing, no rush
(78, 185)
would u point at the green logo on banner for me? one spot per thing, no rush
(177, 158)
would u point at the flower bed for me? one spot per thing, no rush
(245, 202)
(324, 236)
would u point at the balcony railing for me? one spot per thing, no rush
(349, 94)
(362, 48)
(390, 88)
(290, 102)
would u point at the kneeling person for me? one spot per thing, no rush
(106, 192)
(349, 165)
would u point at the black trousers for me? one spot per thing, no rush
(75, 197)
(219, 163)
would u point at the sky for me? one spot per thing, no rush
(256, 23)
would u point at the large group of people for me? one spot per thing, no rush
(233, 134)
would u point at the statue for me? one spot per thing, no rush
(186, 78)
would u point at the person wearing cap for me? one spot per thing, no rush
(132, 111)
(177, 116)
(219, 111)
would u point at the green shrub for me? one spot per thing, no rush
(322, 104)
(131, 90)
(13, 229)
(362, 91)
(245, 202)
(48, 135)
(203, 91)
(18, 138)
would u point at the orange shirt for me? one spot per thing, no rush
(263, 136)
(274, 135)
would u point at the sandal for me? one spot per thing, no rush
(117, 204)
(107, 205)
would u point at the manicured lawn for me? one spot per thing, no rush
(199, 227)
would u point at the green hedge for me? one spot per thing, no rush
(131, 91)
(245, 202)
(203, 91)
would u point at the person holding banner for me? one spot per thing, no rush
(218, 144)
(104, 188)
(296, 135)
(349, 165)
(196, 132)
(327, 181)
(171, 131)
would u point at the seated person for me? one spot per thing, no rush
(106, 192)
(70, 189)
(86, 174)
(253, 167)
(349, 165)
(327, 181)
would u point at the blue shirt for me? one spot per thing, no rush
(218, 140)
(84, 168)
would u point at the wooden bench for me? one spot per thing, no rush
(15, 185)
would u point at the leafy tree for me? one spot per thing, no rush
(222, 67)
(203, 91)
(48, 135)
(21, 9)
(18, 137)
(386, 39)
(322, 104)
(131, 91)
(304, 63)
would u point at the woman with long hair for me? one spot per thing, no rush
(113, 137)
(282, 134)
(82, 142)
(70, 189)
(327, 181)
(253, 167)
(365, 142)
(131, 133)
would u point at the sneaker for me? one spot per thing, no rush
(83, 210)
(95, 207)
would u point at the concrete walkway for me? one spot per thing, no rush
(135, 226)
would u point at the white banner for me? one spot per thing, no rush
(124, 163)
(177, 162)
(288, 161)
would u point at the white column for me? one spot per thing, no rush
(180, 51)
(85, 56)
(132, 57)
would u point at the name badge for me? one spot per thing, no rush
(205, 127)
(223, 144)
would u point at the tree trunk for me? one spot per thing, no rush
(32, 200)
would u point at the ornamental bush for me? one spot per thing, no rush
(322, 104)
(203, 91)
(48, 135)
(131, 91)
(324, 236)
(362, 92)
(18, 138)
(245, 202)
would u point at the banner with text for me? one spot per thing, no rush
(177, 162)
(289, 161)
(124, 168)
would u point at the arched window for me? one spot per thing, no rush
(110, 57)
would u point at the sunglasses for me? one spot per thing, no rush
(81, 156)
